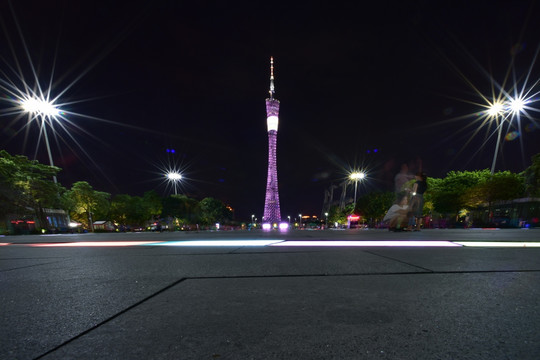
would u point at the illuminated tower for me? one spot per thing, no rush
(271, 203)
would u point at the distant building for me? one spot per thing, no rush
(26, 222)
(104, 225)
(524, 212)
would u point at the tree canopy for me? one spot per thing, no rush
(26, 184)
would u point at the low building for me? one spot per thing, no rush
(104, 225)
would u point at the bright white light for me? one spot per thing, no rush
(73, 224)
(40, 107)
(368, 243)
(272, 122)
(283, 226)
(517, 105)
(495, 109)
(267, 226)
(174, 176)
(498, 244)
(357, 175)
(206, 243)
(94, 244)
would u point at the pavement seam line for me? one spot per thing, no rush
(397, 260)
(29, 266)
(363, 274)
(140, 302)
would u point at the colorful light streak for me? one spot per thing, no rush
(403, 243)
(505, 244)
(288, 243)
(94, 244)
(217, 243)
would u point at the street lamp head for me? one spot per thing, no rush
(357, 175)
(174, 176)
(517, 105)
(40, 107)
(495, 109)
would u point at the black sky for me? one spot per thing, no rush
(193, 76)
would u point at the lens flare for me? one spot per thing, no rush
(513, 135)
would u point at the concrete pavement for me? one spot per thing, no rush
(270, 302)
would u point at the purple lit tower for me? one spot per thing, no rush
(271, 203)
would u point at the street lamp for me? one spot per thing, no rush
(326, 221)
(300, 220)
(356, 176)
(174, 177)
(495, 110)
(252, 217)
(45, 111)
(498, 110)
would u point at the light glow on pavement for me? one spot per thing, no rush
(286, 243)
(369, 243)
(218, 243)
(498, 244)
(94, 244)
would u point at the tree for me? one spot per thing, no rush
(27, 184)
(335, 215)
(447, 194)
(121, 209)
(184, 209)
(374, 205)
(214, 211)
(153, 204)
(502, 185)
(82, 201)
(531, 177)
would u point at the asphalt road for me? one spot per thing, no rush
(419, 295)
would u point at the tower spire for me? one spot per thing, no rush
(272, 90)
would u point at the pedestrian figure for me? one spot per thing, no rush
(398, 214)
(401, 178)
(416, 204)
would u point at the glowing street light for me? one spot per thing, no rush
(174, 177)
(499, 110)
(517, 105)
(46, 111)
(356, 176)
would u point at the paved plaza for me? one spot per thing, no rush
(352, 294)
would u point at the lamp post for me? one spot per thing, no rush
(326, 221)
(356, 176)
(174, 177)
(45, 111)
(500, 111)
(252, 217)
(495, 110)
(300, 220)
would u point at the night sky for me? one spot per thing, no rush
(360, 86)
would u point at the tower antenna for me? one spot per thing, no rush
(272, 89)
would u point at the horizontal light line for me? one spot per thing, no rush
(368, 243)
(94, 244)
(217, 243)
(498, 244)
(284, 243)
